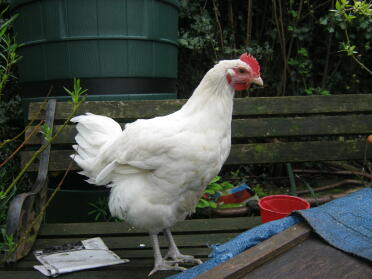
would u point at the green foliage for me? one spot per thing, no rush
(7, 243)
(214, 187)
(346, 13)
(100, 211)
(297, 43)
(46, 131)
(10, 118)
(259, 190)
(8, 50)
(77, 93)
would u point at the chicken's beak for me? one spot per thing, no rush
(258, 81)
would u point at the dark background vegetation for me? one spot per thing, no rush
(297, 44)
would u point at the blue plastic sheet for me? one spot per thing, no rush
(345, 223)
(224, 252)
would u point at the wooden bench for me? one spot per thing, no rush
(264, 130)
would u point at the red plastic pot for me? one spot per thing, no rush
(279, 206)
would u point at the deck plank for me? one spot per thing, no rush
(259, 254)
(314, 259)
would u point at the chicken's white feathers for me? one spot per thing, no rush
(158, 168)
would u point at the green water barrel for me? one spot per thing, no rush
(120, 49)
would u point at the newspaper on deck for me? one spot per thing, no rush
(85, 254)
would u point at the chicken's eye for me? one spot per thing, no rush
(242, 71)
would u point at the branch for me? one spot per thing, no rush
(41, 149)
(218, 23)
(335, 172)
(353, 55)
(334, 185)
(31, 122)
(249, 23)
(324, 199)
(279, 26)
(36, 128)
(26, 234)
(326, 65)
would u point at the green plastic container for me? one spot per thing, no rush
(120, 49)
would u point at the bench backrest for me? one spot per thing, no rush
(264, 129)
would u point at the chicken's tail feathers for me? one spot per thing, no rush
(95, 133)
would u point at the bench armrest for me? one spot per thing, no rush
(25, 208)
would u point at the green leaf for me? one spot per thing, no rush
(231, 205)
(338, 6)
(215, 187)
(323, 20)
(202, 203)
(46, 131)
(303, 51)
(212, 204)
(215, 179)
(210, 192)
(227, 185)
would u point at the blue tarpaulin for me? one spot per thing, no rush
(345, 223)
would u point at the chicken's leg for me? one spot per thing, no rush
(175, 254)
(160, 263)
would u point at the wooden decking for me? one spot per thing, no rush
(296, 253)
(314, 259)
(192, 236)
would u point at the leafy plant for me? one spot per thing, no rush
(10, 110)
(77, 93)
(46, 131)
(213, 188)
(347, 12)
(8, 191)
(8, 242)
(101, 211)
(8, 50)
(285, 38)
(76, 102)
(259, 190)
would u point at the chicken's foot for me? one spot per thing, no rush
(160, 263)
(175, 254)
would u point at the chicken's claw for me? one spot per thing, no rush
(166, 265)
(180, 258)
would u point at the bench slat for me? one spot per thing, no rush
(242, 106)
(254, 153)
(298, 152)
(144, 253)
(121, 228)
(265, 127)
(93, 274)
(136, 242)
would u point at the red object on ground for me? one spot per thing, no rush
(279, 206)
(236, 197)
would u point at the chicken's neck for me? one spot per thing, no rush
(211, 104)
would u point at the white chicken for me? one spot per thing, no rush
(158, 168)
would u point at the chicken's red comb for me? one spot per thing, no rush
(252, 62)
